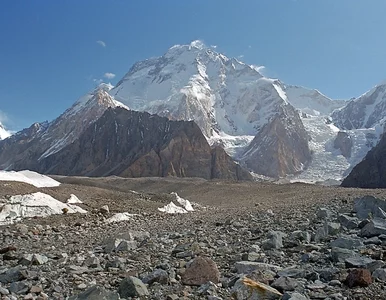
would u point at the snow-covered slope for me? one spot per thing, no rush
(3, 132)
(367, 111)
(193, 82)
(65, 129)
(310, 101)
(29, 177)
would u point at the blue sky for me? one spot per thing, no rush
(49, 54)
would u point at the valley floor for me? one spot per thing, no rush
(229, 220)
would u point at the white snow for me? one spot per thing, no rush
(328, 162)
(119, 217)
(171, 208)
(29, 177)
(33, 205)
(183, 202)
(184, 206)
(73, 199)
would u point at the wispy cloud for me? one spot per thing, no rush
(240, 56)
(102, 43)
(260, 69)
(109, 75)
(97, 81)
(3, 117)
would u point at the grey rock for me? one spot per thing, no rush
(294, 296)
(333, 228)
(285, 284)
(4, 291)
(33, 259)
(293, 272)
(341, 254)
(374, 228)
(372, 241)
(132, 287)
(12, 275)
(323, 213)
(369, 206)
(348, 222)
(274, 240)
(358, 262)
(246, 267)
(209, 289)
(20, 287)
(302, 236)
(158, 275)
(380, 274)
(96, 293)
(346, 242)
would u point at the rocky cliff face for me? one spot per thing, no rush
(134, 144)
(344, 143)
(371, 171)
(280, 148)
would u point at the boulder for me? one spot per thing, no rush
(359, 277)
(247, 289)
(200, 271)
(132, 287)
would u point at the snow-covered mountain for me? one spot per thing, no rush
(367, 111)
(3, 132)
(44, 139)
(273, 128)
(311, 102)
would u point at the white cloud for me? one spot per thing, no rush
(3, 117)
(213, 46)
(109, 75)
(102, 43)
(249, 47)
(97, 81)
(259, 69)
(240, 56)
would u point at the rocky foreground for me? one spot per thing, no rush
(262, 241)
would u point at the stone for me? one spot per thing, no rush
(274, 240)
(247, 289)
(369, 207)
(115, 245)
(380, 274)
(341, 254)
(348, 222)
(132, 287)
(346, 243)
(247, 267)
(302, 236)
(359, 277)
(33, 259)
(323, 213)
(158, 275)
(285, 284)
(374, 228)
(333, 228)
(294, 296)
(20, 287)
(292, 272)
(96, 293)
(104, 209)
(12, 275)
(358, 262)
(208, 289)
(200, 271)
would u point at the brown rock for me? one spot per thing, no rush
(200, 271)
(359, 277)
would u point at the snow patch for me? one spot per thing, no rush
(30, 177)
(33, 205)
(184, 206)
(73, 199)
(119, 217)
